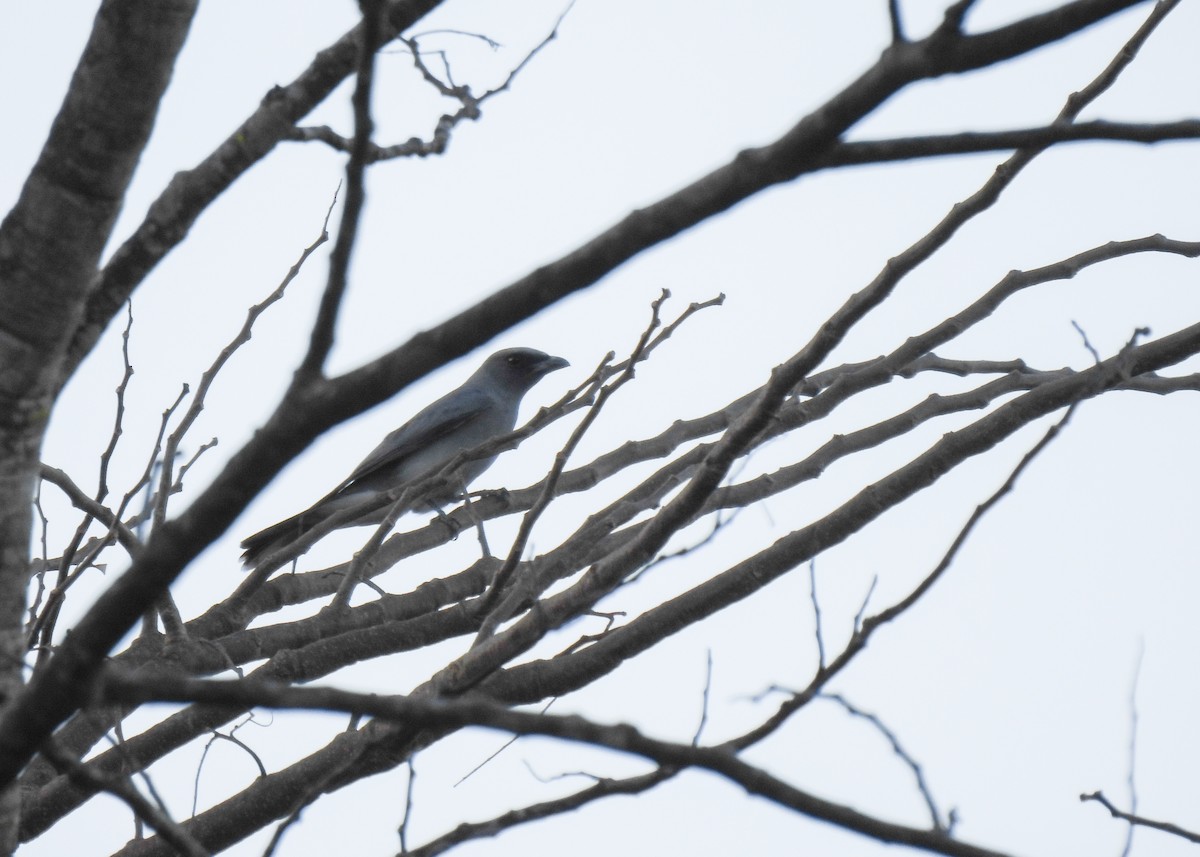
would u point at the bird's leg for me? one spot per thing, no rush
(450, 523)
(483, 542)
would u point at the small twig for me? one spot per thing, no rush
(408, 805)
(704, 699)
(154, 462)
(562, 775)
(551, 36)
(952, 20)
(816, 605)
(588, 639)
(93, 508)
(1140, 821)
(122, 789)
(36, 602)
(719, 523)
(213, 738)
(623, 372)
(1133, 728)
(303, 801)
(491, 43)
(535, 812)
(439, 141)
(420, 711)
(119, 415)
(43, 628)
(862, 608)
(364, 559)
(177, 486)
(493, 618)
(897, 24)
(501, 749)
(1086, 342)
(864, 628)
(321, 336)
(922, 786)
(167, 480)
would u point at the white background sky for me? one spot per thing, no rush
(1010, 683)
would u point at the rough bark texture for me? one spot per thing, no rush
(50, 245)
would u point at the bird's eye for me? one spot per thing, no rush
(513, 359)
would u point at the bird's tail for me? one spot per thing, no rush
(267, 541)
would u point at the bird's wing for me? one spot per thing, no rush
(443, 417)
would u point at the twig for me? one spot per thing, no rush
(402, 831)
(119, 414)
(493, 618)
(439, 141)
(865, 628)
(442, 713)
(1040, 137)
(1141, 821)
(922, 786)
(307, 798)
(499, 750)
(122, 789)
(704, 698)
(42, 634)
(321, 336)
(90, 506)
(35, 602)
(1086, 342)
(601, 789)
(816, 606)
(1133, 728)
(897, 24)
(167, 481)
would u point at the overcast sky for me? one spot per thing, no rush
(1010, 684)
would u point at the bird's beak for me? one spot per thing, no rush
(552, 364)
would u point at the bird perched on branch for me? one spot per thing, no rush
(484, 407)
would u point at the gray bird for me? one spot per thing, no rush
(484, 407)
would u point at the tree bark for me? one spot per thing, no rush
(50, 246)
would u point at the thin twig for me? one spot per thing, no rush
(408, 805)
(896, 22)
(493, 618)
(1141, 821)
(1086, 342)
(865, 628)
(816, 606)
(704, 698)
(122, 789)
(321, 336)
(167, 480)
(1133, 730)
(897, 748)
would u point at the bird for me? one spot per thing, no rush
(484, 407)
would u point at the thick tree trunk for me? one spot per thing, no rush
(50, 246)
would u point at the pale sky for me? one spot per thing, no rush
(1010, 683)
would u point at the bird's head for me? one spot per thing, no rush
(518, 369)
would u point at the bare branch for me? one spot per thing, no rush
(895, 20)
(1141, 821)
(122, 789)
(493, 827)
(935, 815)
(624, 738)
(860, 152)
(321, 337)
(439, 141)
